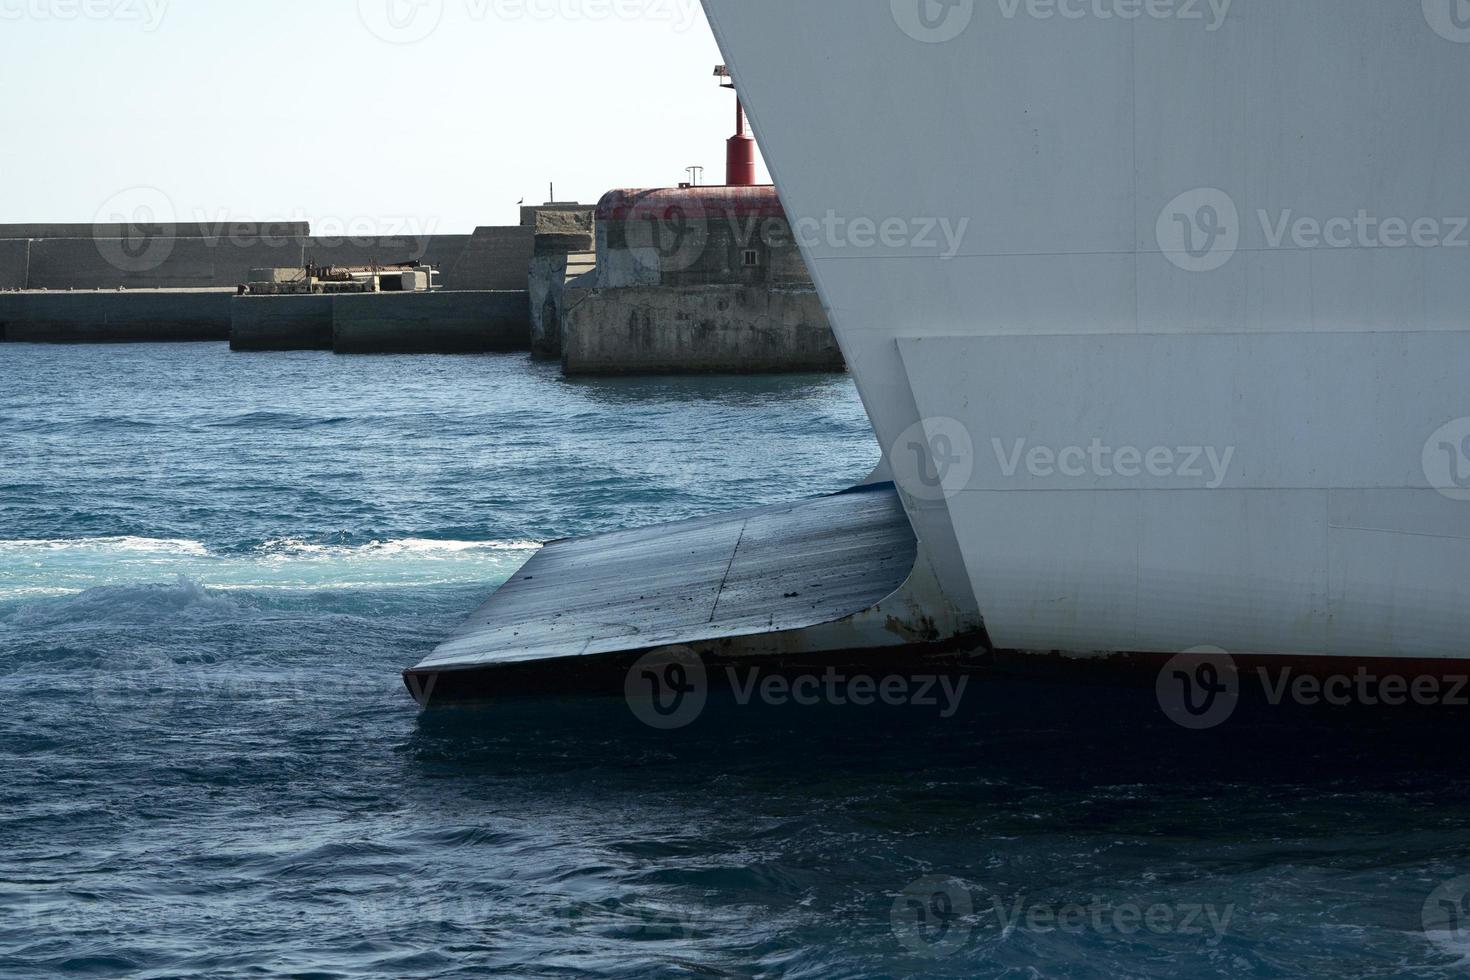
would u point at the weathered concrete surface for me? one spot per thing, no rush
(431, 323)
(262, 323)
(115, 317)
(699, 236)
(155, 263)
(495, 259)
(550, 275)
(15, 263)
(547, 284)
(662, 330)
(561, 228)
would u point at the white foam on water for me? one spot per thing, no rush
(126, 544)
(32, 569)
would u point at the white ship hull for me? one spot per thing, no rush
(1132, 400)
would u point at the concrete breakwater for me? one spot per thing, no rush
(376, 323)
(384, 323)
(112, 316)
(431, 323)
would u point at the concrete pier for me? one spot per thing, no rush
(431, 323)
(266, 323)
(115, 317)
(656, 330)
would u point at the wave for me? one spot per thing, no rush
(41, 568)
(126, 544)
(398, 546)
(127, 603)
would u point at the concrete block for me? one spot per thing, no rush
(261, 323)
(530, 213)
(495, 259)
(548, 276)
(15, 263)
(431, 323)
(115, 317)
(735, 329)
(276, 275)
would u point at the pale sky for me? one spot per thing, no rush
(308, 110)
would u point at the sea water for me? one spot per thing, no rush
(213, 568)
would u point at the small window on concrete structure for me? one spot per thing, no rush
(752, 258)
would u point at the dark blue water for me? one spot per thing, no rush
(213, 568)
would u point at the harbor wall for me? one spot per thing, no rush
(160, 263)
(661, 330)
(197, 256)
(266, 323)
(115, 317)
(431, 323)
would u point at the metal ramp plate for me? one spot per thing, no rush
(786, 567)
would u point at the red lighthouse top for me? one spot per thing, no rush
(740, 148)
